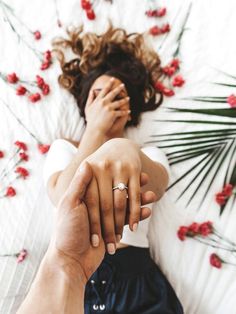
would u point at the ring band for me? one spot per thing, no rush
(120, 186)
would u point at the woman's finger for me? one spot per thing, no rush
(144, 214)
(106, 207)
(134, 200)
(118, 104)
(113, 93)
(106, 89)
(120, 206)
(92, 203)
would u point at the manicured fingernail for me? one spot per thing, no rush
(111, 248)
(118, 238)
(129, 111)
(122, 85)
(135, 227)
(112, 79)
(127, 98)
(95, 240)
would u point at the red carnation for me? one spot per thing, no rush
(45, 89)
(169, 70)
(168, 92)
(228, 190)
(43, 148)
(155, 30)
(45, 65)
(165, 28)
(159, 86)
(182, 232)
(231, 100)
(194, 228)
(37, 35)
(10, 191)
(215, 260)
(22, 172)
(220, 198)
(21, 145)
(90, 14)
(161, 12)
(40, 81)
(86, 5)
(178, 81)
(206, 228)
(34, 97)
(22, 255)
(1, 154)
(47, 55)
(21, 90)
(24, 156)
(12, 78)
(175, 63)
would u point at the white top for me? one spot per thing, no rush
(60, 155)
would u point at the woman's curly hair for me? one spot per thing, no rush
(114, 53)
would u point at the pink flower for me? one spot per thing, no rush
(215, 260)
(206, 228)
(21, 90)
(24, 173)
(182, 232)
(21, 145)
(21, 255)
(24, 156)
(90, 14)
(10, 192)
(178, 81)
(220, 198)
(231, 100)
(12, 78)
(1, 154)
(37, 35)
(43, 148)
(34, 97)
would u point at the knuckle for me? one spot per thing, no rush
(104, 164)
(106, 209)
(109, 236)
(119, 206)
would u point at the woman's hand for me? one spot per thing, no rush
(116, 161)
(103, 110)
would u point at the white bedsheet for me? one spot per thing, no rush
(26, 220)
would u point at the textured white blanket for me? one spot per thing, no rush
(26, 220)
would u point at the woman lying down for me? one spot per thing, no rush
(112, 80)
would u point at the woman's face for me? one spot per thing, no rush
(119, 124)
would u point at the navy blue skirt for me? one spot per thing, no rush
(130, 282)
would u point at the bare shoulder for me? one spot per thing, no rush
(75, 143)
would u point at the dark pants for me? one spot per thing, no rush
(130, 282)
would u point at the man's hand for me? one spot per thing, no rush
(71, 240)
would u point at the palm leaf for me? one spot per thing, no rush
(227, 112)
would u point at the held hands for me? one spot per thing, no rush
(118, 160)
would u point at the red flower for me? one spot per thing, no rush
(24, 156)
(194, 228)
(86, 5)
(21, 145)
(165, 28)
(40, 81)
(1, 154)
(168, 92)
(34, 97)
(43, 148)
(231, 100)
(47, 55)
(12, 78)
(155, 30)
(45, 89)
(182, 232)
(178, 81)
(22, 172)
(175, 63)
(21, 256)
(206, 228)
(169, 70)
(159, 86)
(220, 198)
(227, 190)
(45, 65)
(90, 14)
(10, 191)
(161, 12)
(21, 90)
(215, 260)
(37, 35)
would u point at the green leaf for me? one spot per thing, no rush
(227, 112)
(198, 122)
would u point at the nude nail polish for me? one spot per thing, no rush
(111, 248)
(95, 240)
(135, 227)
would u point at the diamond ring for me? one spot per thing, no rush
(120, 186)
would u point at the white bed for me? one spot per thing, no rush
(26, 220)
